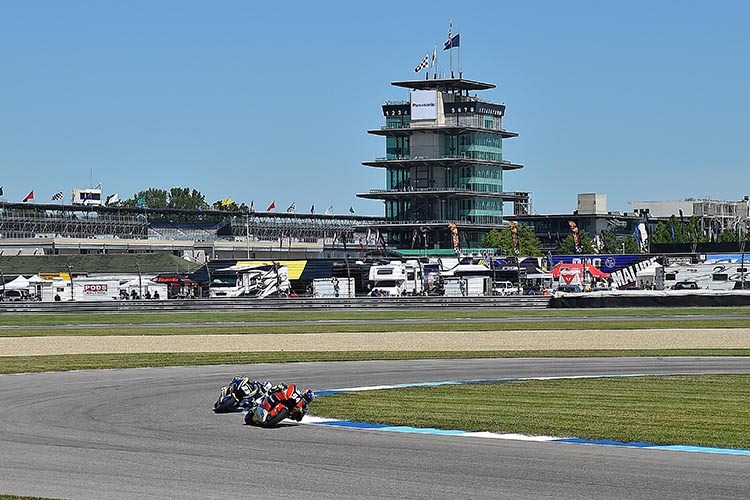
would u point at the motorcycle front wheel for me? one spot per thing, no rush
(225, 406)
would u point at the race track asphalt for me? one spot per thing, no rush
(150, 433)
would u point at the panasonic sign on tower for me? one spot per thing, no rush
(423, 105)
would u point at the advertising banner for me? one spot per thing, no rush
(95, 289)
(424, 104)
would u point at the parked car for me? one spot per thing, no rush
(685, 285)
(13, 296)
(568, 289)
(504, 288)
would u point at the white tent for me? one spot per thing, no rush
(36, 279)
(19, 283)
(649, 271)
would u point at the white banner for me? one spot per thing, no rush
(424, 104)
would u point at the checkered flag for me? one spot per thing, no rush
(425, 63)
(58, 196)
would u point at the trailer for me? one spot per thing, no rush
(327, 288)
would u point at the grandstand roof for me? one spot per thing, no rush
(149, 263)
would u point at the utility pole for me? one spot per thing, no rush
(140, 282)
(70, 275)
(247, 234)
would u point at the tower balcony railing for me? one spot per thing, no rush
(435, 189)
(461, 156)
(428, 222)
(462, 120)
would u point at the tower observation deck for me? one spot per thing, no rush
(443, 164)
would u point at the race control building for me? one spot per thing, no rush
(444, 167)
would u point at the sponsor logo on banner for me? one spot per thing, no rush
(95, 289)
(423, 104)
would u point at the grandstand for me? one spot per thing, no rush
(28, 229)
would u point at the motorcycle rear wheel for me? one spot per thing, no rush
(272, 422)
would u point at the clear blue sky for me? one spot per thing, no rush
(265, 101)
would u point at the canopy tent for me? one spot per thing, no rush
(563, 267)
(36, 279)
(19, 283)
(648, 271)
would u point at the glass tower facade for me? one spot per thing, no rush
(443, 164)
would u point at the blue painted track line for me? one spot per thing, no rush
(309, 419)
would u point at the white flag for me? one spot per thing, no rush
(330, 210)
(112, 199)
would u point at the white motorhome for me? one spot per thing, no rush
(250, 281)
(396, 278)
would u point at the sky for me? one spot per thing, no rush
(639, 100)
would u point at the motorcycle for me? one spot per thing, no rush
(282, 401)
(239, 394)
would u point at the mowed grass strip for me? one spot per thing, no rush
(15, 497)
(62, 318)
(702, 410)
(378, 327)
(65, 362)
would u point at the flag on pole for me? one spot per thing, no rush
(1, 190)
(330, 210)
(290, 208)
(424, 64)
(351, 210)
(452, 42)
(140, 202)
(434, 56)
(252, 205)
(226, 201)
(312, 208)
(58, 196)
(271, 206)
(446, 46)
(112, 199)
(29, 196)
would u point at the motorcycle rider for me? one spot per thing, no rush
(279, 394)
(243, 388)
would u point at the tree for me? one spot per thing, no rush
(492, 239)
(528, 243)
(694, 231)
(176, 197)
(727, 236)
(567, 245)
(609, 242)
(631, 244)
(151, 198)
(220, 205)
(185, 199)
(661, 235)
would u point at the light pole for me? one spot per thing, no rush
(140, 282)
(3, 278)
(247, 234)
(70, 275)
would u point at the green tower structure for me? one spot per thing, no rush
(444, 167)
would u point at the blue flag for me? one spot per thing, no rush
(454, 41)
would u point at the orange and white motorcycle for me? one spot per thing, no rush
(282, 401)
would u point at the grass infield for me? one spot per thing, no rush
(704, 410)
(50, 319)
(64, 362)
